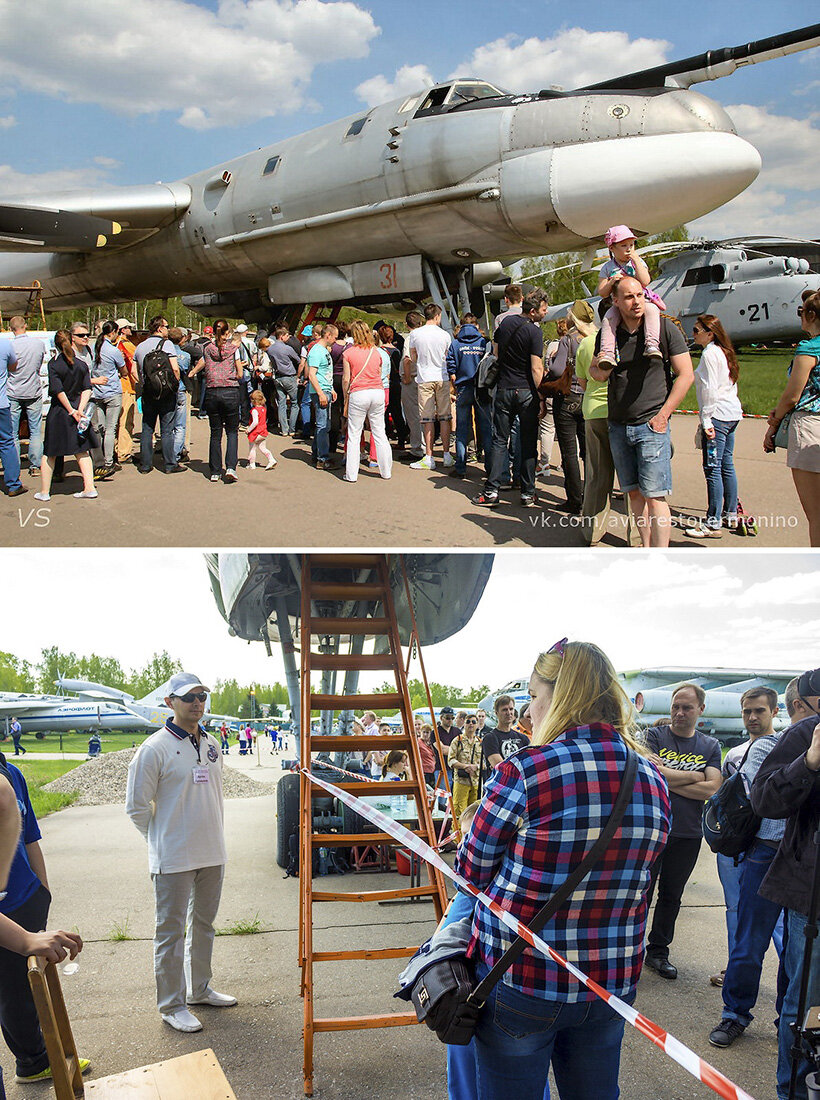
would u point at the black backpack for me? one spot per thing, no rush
(729, 822)
(158, 378)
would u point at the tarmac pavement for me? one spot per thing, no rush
(296, 505)
(98, 873)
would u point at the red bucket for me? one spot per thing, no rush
(403, 861)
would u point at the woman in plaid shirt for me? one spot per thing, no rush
(543, 808)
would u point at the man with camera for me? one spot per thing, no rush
(788, 786)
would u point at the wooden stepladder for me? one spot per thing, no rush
(360, 584)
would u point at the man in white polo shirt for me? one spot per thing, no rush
(428, 346)
(179, 770)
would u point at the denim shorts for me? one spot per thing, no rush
(643, 458)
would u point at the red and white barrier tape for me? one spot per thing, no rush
(676, 1050)
(431, 795)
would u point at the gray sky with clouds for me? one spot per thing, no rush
(742, 609)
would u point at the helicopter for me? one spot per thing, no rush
(752, 290)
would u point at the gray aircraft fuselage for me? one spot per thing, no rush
(349, 216)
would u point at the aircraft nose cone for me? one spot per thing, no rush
(649, 183)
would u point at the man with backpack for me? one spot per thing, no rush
(463, 356)
(158, 369)
(756, 916)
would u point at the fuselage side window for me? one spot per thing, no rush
(271, 166)
(356, 127)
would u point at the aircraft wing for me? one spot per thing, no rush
(28, 708)
(82, 221)
(715, 63)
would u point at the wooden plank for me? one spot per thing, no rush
(344, 561)
(334, 590)
(330, 742)
(386, 786)
(344, 625)
(388, 700)
(355, 1023)
(197, 1075)
(365, 953)
(366, 662)
(376, 895)
(345, 840)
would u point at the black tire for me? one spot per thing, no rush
(287, 815)
(353, 822)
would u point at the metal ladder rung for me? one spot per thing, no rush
(336, 590)
(345, 625)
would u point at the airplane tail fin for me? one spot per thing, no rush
(156, 698)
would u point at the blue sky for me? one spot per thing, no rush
(95, 93)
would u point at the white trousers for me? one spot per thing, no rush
(410, 408)
(370, 404)
(190, 897)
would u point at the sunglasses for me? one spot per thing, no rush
(558, 647)
(82, 335)
(193, 696)
(472, 721)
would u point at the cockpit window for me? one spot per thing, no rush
(356, 127)
(271, 166)
(447, 97)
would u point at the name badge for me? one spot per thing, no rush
(200, 773)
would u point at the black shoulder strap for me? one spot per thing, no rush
(479, 994)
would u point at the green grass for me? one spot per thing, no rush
(73, 742)
(242, 928)
(761, 381)
(40, 772)
(120, 931)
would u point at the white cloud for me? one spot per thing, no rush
(7, 121)
(570, 58)
(14, 183)
(408, 79)
(784, 198)
(248, 59)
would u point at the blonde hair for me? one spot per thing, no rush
(362, 334)
(585, 689)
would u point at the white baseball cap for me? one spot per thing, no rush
(183, 682)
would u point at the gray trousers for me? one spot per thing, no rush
(410, 408)
(106, 416)
(190, 897)
(599, 479)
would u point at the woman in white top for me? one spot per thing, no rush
(720, 413)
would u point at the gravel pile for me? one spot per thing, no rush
(102, 781)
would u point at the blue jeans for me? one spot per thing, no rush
(719, 471)
(729, 876)
(793, 964)
(8, 453)
(286, 388)
(466, 403)
(180, 418)
(643, 459)
(321, 436)
(756, 921)
(304, 409)
(518, 1036)
(33, 407)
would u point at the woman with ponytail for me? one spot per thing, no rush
(106, 396)
(543, 809)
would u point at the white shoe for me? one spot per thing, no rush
(251, 465)
(230, 475)
(182, 1020)
(42, 496)
(426, 463)
(448, 459)
(215, 477)
(214, 999)
(87, 496)
(271, 464)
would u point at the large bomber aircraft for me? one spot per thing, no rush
(92, 707)
(650, 689)
(421, 196)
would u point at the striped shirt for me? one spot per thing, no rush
(543, 808)
(770, 828)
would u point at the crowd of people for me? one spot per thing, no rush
(534, 792)
(605, 394)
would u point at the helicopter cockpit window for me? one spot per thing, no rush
(356, 127)
(271, 166)
(698, 276)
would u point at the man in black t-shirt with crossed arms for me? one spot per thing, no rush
(519, 349)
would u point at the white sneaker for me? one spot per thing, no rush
(271, 464)
(426, 463)
(42, 496)
(216, 1000)
(251, 465)
(92, 495)
(182, 1020)
(230, 475)
(448, 459)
